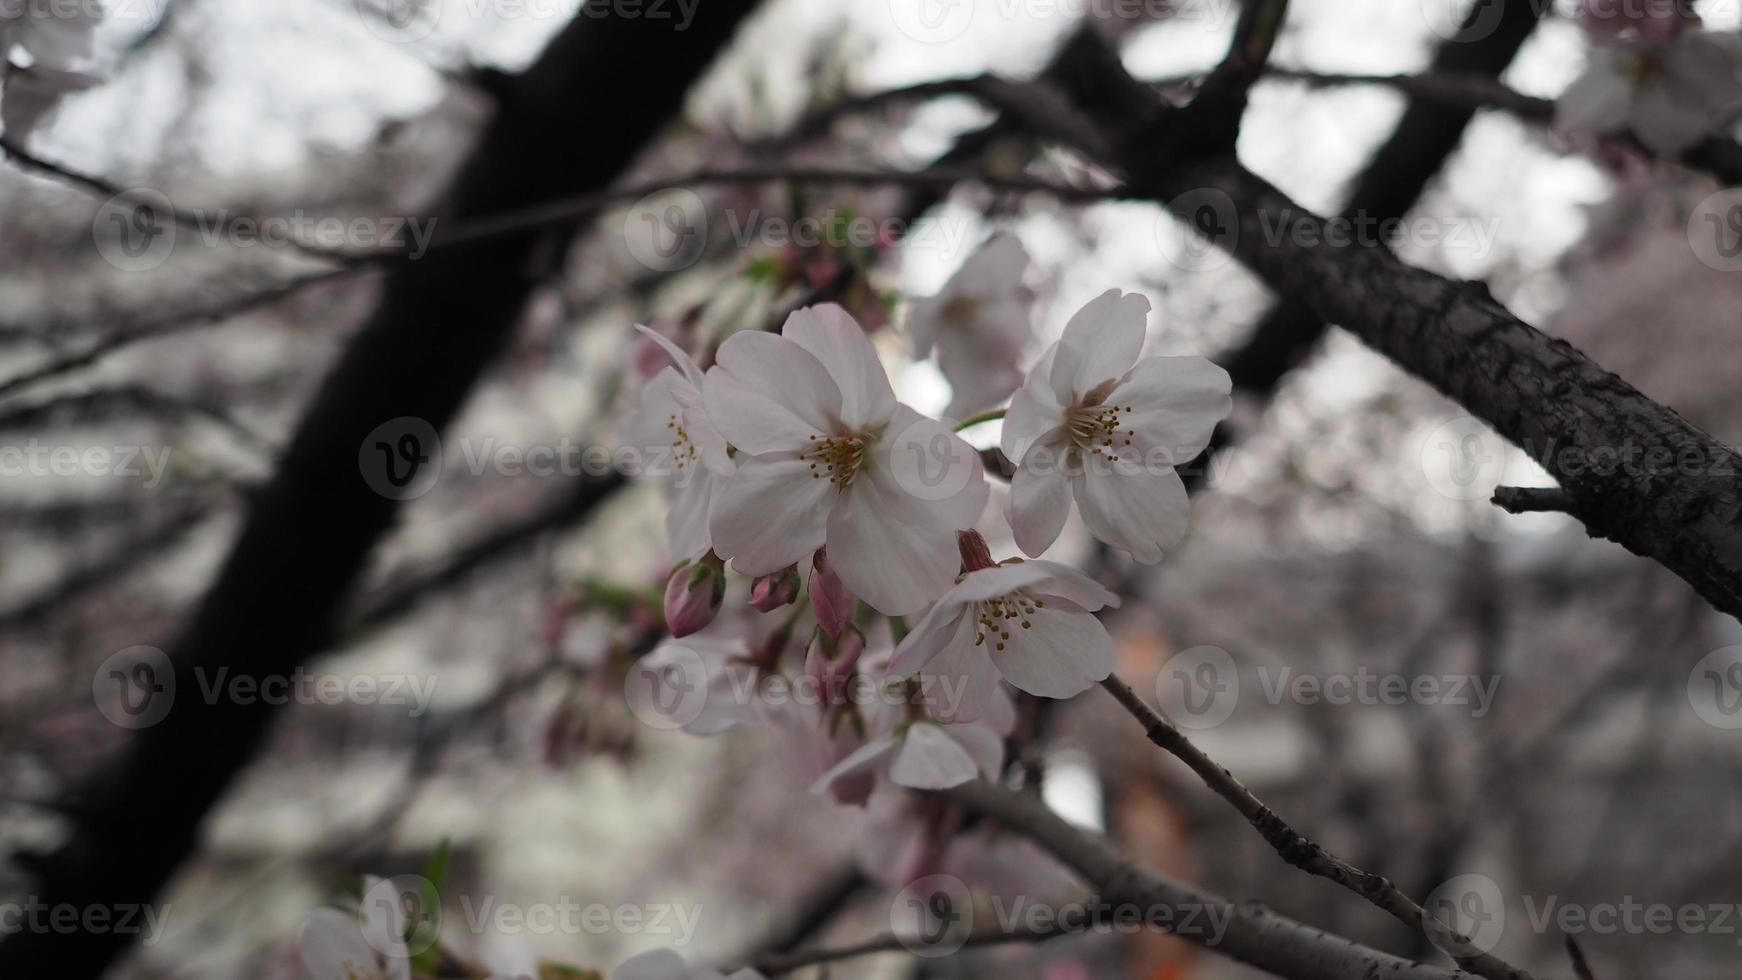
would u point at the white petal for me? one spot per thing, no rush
(700, 429)
(998, 266)
(983, 742)
(686, 517)
(924, 460)
(1039, 502)
(930, 759)
(332, 946)
(1142, 510)
(1597, 102)
(960, 684)
(767, 394)
(770, 514)
(890, 548)
(686, 364)
(981, 374)
(1066, 583)
(1060, 655)
(927, 639)
(1668, 120)
(833, 337)
(865, 759)
(1034, 416)
(1100, 343)
(1175, 404)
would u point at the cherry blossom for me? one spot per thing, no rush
(1614, 20)
(1669, 93)
(335, 945)
(670, 425)
(830, 600)
(663, 964)
(827, 456)
(922, 754)
(1096, 424)
(693, 595)
(979, 323)
(1029, 622)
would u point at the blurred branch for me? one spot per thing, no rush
(1294, 847)
(103, 403)
(1253, 935)
(775, 963)
(1539, 392)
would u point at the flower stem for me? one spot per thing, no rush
(971, 421)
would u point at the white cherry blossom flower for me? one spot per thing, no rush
(1029, 622)
(1096, 424)
(980, 322)
(335, 945)
(1669, 93)
(56, 40)
(922, 754)
(828, 456)
(671, 431)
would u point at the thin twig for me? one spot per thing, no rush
(1532, 500)
(1294, 847)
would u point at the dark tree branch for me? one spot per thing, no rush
(1531, 500)
(1635, 471)
(278, 597)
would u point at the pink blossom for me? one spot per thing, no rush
(830, 600)
(674, 437)
(693, 595)
(1096, 424)
(980, 322)
(827, 456)
(770, 592)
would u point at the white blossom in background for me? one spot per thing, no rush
(43, 47)
(663, 964)
(827, 456)
(979, 323)
(335, 945)
(1669, 93)
(1028, 622)
(1096, 424)
(671, 430)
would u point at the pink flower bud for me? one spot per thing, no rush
(770, 592)
(693, 595)
(830, 599)
(829, 663)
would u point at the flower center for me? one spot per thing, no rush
(994, 617)
(1096, 428)
(960, 311)
(1642, 67)
(682, 448)
(839, 458)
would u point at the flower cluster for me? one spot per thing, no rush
(43, 49)
(794, 461)
(1654, 74)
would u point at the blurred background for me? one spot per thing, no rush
(1337, 537)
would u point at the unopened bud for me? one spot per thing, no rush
(830, 599)
(829, 663)
(693, 595)
(770, 592)
(975, 553)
